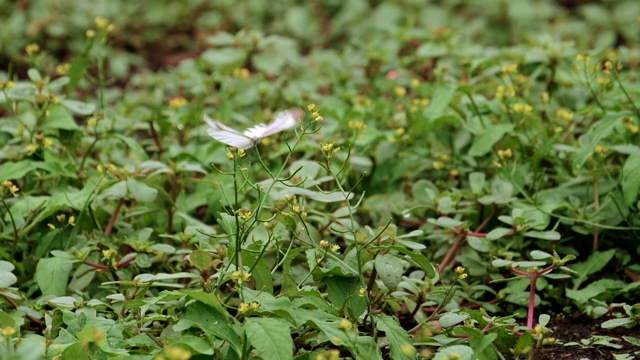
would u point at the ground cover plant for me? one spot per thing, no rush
(463, 183)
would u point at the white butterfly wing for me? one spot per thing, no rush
(228, 135)
(282, 121)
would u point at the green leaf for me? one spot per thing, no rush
(225, 60)
(15, 170)
(525, 344)
(476, 182)
(593, 264)
(79, 107)
(343, 293)
(141, 191)
(59, 118)
(52, 275)
(201, 259)
(271, 337)
(79, 66)
(400, 343)
(631, 179)
(205, 298)
(198, 345)
(7, 279)
(441, 99)
(544, 235)
(450, 319)
(419, 258)
(484, 141)
(592, 138)
(498, 233)
(390, 270)
(458, 352)
(212, 322)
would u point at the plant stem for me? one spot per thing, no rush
(16, 237)
(114, 216)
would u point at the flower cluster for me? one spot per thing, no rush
(10, 187)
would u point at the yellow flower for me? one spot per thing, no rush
(335, 248)
(32, 148)
(545, 97)
(63, 69)
(505, 153)
(345, 325)
(400, 91)
(241, 152)
(51, 226)
(230, 155)
(505, 92)
(509, 69)
(8, 331)
(32, 49)
(358, 125)
(72, 220)
(92, 122)
(109, 254)
(14, 190)
(311, 107)
(407, 349)
(101, 22)
(48, 143)
(522, 108)
(324, 244)
(243, 308)
(453, 173)
(245, 214)
(178, 102)
(90, 33)
(564, 115)
(362, 292)
(438, 165)
(415, 83)
(600, 149)
(241, 73)
(177, 353)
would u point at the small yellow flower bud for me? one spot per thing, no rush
(8, 331)
(101, 22)
(345, 325)
(177, 102)
(32, 49)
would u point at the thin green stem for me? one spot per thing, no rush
(16, 237)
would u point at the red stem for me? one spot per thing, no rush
(532, 297)
(450, 254)
(126, 262)
(97, 266)
(156, 138)
(114, 216)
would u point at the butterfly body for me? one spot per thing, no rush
(252, 136)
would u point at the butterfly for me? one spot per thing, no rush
(252, 136)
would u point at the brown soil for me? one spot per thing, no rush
(568, 330)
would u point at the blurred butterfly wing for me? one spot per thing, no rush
(228, 135)
(282, 121)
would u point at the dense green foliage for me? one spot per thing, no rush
(465, 172)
